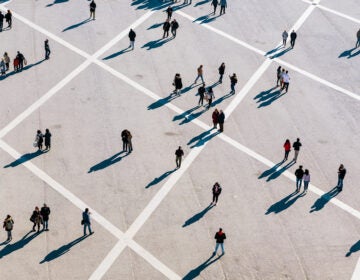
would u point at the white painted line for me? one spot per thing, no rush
(356, 273)
(338, 14)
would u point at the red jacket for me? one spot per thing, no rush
(215, 116)
(287, 146)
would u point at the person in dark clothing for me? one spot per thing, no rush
(1, 21)
(169, 12)
(341, 176)
(216, 190)
(177, 83)
(215, 118)
(296, 146)
(129, 139)
(124, 138)
(92, 9)
(8, 225)
(86, 221)
(45, 212)
(36, 219)
(299, 173)
(47, 49)
(221, 120)
(179, 154)
(292, 38)
(166, 28)
(21, 59)
(221, 71)
(8, 18)
(358, 39)
(278, 76)
(174, 27)
(215, 4)
(220, 237)
(47, 137)
(233, 82)
(39, 139)
(201, 91)
(210, 96)
(132, 36)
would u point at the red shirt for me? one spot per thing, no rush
(287, 146)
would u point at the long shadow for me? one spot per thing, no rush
(273, 50)
(107, 162)
(277, 173)
(353, 249)
(156, 25)
(221, 99)
(346, 53)
(27, 67)
(156, 43)
(150, 4)
(284, 203)
(196, 271)
(324, 199)
(76, 25)
(128, 49)
(263, 95)
(202, 139)
(24, 158)
(269, 97)
(201, 3)
(162, 102)
(281, 53)
(159, 179)
(193, 116)
(354, 54)
(197, 216)
(184, 114)
(11, 247)
(270, 171)
(57, 2)
(62, 250)
(206, 18)
(186, 89)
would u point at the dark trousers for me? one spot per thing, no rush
(286, 155)
(292, 43)
(178, 161)
(215, 197)
(221, 127)
(201, 100)
(38, 226)
(215, 6)
(1, 25)
(125, 145)
(47, 53)
(166, 32)
(210, 102)
(173, 32)
(286, 87)
(222, 10)
(220, 79)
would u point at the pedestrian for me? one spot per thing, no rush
(284, 37)
(86, 221)
(177, 84)
(299, 173)
(220, 237)
(8, 226)
(169, 12)
(221, 72)
(282, 78)
(296, 146)
(36, 219)
(278, 75)
(201, 91)
(292, 38)
(47, 49)
(215, 4)
(8, 18)
(124, 138)
(179, 154)
(216, 190)
(39, 139)
(166, 28)
(341, 176)
(221, 120)
(21, 60)
(174, 27)
(210, 96)
(223, 5)
(306, 179)
(129, 139)
(7, 61)
(45, 212)
(2, 67)
(47, 137)
(286, 81)
(200, 73)
(287, 148)
(92, 9)
(358, 39)
(132, 36)
(215, 117)
(1, 21)
(233, 82)
(16, 64)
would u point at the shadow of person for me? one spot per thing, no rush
(264, 94)
(159, 179)
(62, 250)
(270, 98)
(197, 216)
(9, 248)
(150, 4)
(107, 162)
(161, 102)
(196, 271)
(56, 2)
(354, 54)
(155, 25)
(346, 53)
(128, 49)
(284, 203)
(24, 158)
(277, 173)
(201, 3)
(353, 249)
(270, 171)
(156, 43)
(76, 25)
(324, 199)
(199, 137)
(202, 18)
(273, 50)
(184, 114)
(27, 67)
(203, 140)
(281, 53)
(221, 99)
(192, 116)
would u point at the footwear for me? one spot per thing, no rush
(92, 232)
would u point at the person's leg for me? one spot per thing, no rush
(180, 158)
(340, 184)
(306, 184)
(222, 248)
(177, 161)
(296, 155)
(84, 229)
(221, 77)
(216, 247)
(33, 229)
(286, 87)
(198, 76)
(214, 198)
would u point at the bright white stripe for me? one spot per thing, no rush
(356, 273)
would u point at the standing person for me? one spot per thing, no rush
(286, 81)
(296, 146)
(8, 226)
(45, 213)
(36, 219)
(39, 139)
(221, 72)
(282, 78)
(216, 190)
(278, 75)
(132, 36)
(177, 83)
(129, 138)
(47, 137)
(200, 73)
(201, 92)
(7, 60)
(341, 176)
(292, 38)
(223, 5)
(2, 67)
(299, 173)
(233, 82)
(174, 27)
(215, 4)
(287, 148)
(8, 18)
(86, 221)
(179, 154)
(221, 120)
(284, 37)
(166, 28)
(92, 9)
(47, 49)
(215, 118)
(21, 60)
(1, 21)
(306, 179)
(210, 96)
(220, 237)
(358, 39)
(16, 64)
(169, 12)
(124, 139)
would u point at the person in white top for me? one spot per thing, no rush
(286, 80)
(306, 179)
(284, 36)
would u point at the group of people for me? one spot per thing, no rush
(8, 19)
(222, 3)
(293, 37)
(218, 117)
(126, 139)
(40, 217)
(283, 79)
(18, 62)
(39, 140)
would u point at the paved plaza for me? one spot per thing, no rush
(151, 220)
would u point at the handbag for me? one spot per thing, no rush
(35, 144)
(82, 222)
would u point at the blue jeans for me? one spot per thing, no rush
(87, 225)
(306, 185)
(340, 183)
(232, 86)
(298, 183)
(201, 77)
(217, 246)
(46, 224)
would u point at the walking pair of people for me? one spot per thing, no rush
(40, 217)
(39, 140)
(287, 147)
(126, 138)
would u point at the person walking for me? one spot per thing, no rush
(7, 61)
(178, 84)
(36, 219)
(86, 222)
(210, 96)
(286, 81)
(358, 39)
(296, 146)
(124, 138)
(39, 139)
(174, 26)
(306, 179)
(221, 120)
(233, 82)
(282, 78)
(8, 18)
(223, 5)
(200, 73)
(285, 35)
(47, 49)
(166, 28)
(92, 9)
(287, 148)
(179, 154)
(1, 21)
(214, 3)
(278, 75)
(221, 72)
(215, 118)
(129, 138)
(292, 38)
(216, 190)
(47, 137)
(220, 237)
(201, 91)
(2, 67)
(299, 173)
(341, 176)
(45, 213)
(8, 226)
(169, 12)
(132, 36)
(21, 60)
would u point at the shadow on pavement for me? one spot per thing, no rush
(77, 24)
(156, 43)
(12, 247)
(57, 2)
(277, 173)
(284, 203)
(202, 138)
(128, 49)
(24, 158)
(107, 162)
(324, 199)
(353, 249)
(197, 216)
(196, 271)
(159, 179)
(270, 171)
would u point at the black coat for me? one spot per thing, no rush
(178, 83)
(132, 35)
(166, 26)
(221, 117)
(220, 237)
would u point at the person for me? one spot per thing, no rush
(129, 138)
(92, 9)
(166, 28)
(296, 146)
(47, 137)
(220, 237)
(221, 120)
(299, 173)
(47, 49)
(8, 226)
(223, 5)
(341, 176)
(39, 139)
(286, 81)
(282, 78)
(215, 4)
(45, 212)
(278, 75)
(306, 179)
(178, 84)
(8, 18)
(1, 21)
(284, 37)
(200, 73)
(169, 12)
(221, 72)
(292, 38)
(233, 82)
(179, 154)
(86, 221)
(210, 96)
(358, 39)
(216, 190)
(124, 138)
(2, 67)
(21, 60)
(287, 147)
(132, 36)
(7, 61)
(16, 64)
(36, 219)
(215, 117)
(201, 91)
(174, 27)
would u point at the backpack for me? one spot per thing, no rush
(8, 224)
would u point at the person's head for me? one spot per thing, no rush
(341, 166)
(283, 70)
(203, 84)
(5, 54)
(201, 66)
(47, 130)
(300, 166)
(36, 208)
(220, 111)
(39, 131)
(131, 29)
(298, 139)
(287, 71)
(234, 74)
(45, 205)
(216, 110)
(18, 52)
(220, 229)
(223, 64)
(306, 172)
(8, 216)
(287, 141)
(86, 210)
